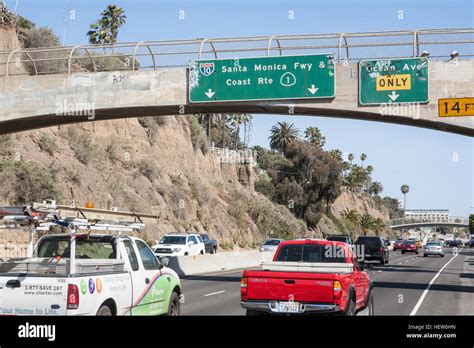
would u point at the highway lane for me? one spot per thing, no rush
(212, 294)
(453, 291)
(398, 287)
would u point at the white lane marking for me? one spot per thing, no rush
(379, 271)
(423, 295)
(407, 261)
(399, 263)
(214, 293)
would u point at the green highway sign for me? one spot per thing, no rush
(262, 78)
(402, 80)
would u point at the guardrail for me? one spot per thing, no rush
(154, 55)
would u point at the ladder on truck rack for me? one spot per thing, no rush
(43, 216)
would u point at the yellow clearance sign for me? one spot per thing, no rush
(455, 107)
(393, 82)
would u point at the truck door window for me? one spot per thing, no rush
(192, 238)
(131, 254)
(148, 258)
(200, 239)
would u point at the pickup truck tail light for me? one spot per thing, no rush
(72, 296)
(243, 286)
(337, 289)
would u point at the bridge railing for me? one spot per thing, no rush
(408, 221)
(154, 55)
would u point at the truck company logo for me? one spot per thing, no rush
(91, 286)
(206, 68)
(83, 286)
(37, 331)
(98, 285)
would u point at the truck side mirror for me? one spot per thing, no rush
(164, 261)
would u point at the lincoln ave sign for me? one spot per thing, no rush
(393, 81)
(263, 78)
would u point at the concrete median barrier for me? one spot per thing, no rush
(222, 261)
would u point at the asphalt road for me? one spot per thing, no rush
(409, 285)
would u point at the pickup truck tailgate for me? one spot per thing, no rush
(290, 286)
(32, 295)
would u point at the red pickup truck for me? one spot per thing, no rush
(308, 276)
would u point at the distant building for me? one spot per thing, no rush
(432, 215)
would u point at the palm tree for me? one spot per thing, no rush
(105, 30)
(378, 225)
(336, 154)
(350, 157)
(282, 134)
(246, 120)
(236, 121)
(351, 215)
(314, 136)
(363, 157)
(405, 189)
(375, 188)
(367, 222)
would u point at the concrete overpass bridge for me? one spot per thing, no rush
(407, 223)
(54, 86)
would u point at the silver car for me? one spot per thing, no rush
(433, 248)
(270, 244)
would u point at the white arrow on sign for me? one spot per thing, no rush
(210, 93)
(313, 89)
(393, 96)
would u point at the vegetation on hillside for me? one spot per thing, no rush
(307, 179)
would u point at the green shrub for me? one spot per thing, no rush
(266, 187)
(24, 183)
(148, 169)
(6, 144)
(198, 139)
(46, 144)
(56, 61)
(82, 145)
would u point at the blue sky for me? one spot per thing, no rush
(438, 166)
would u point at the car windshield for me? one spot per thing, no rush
(90, 248)
(173, 240)
(271, 242)
(311, 253)
(409, 242)
(368, 241)
(432, 244)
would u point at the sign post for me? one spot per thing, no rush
(262, 78)
(402, 80)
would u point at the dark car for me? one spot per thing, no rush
(345, 238)
(372, 248)
(409, 246)
(209, 244)
(454, 243)
(471, 242)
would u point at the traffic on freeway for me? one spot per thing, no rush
(409, 285)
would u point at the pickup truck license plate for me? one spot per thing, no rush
(289, 307)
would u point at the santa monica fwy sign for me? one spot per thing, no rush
(402, 80)
(262, 78)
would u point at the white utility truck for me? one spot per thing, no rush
(81, 273)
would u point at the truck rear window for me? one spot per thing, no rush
(312, 253)
(85, 248)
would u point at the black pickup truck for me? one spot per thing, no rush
(209, 244)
